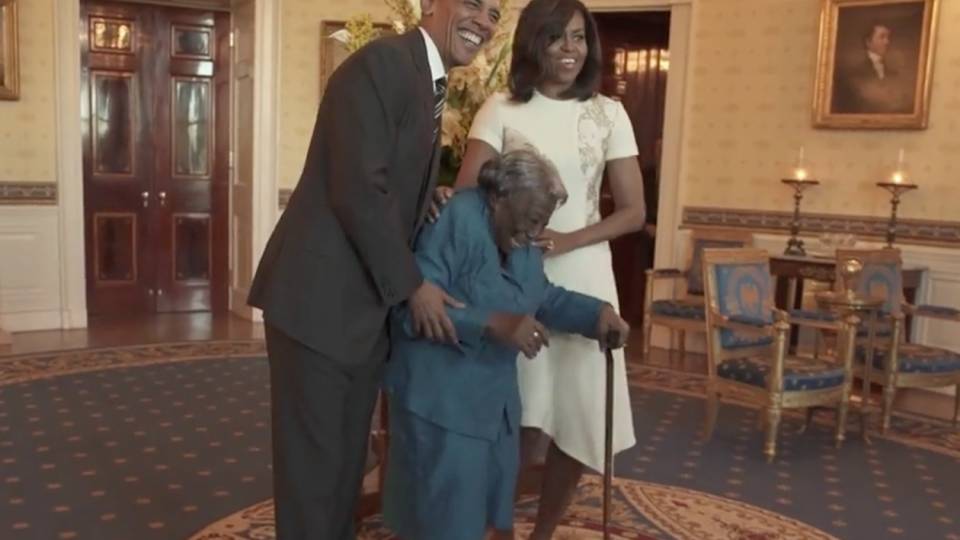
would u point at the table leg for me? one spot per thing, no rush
(867, 379)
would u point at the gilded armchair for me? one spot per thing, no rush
(747, 347)
(683, 311)
(897, 364)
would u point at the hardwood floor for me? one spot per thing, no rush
(118, 331)
(115, 332)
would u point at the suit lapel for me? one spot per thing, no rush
(418, 50)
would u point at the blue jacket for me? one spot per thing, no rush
(468, 388)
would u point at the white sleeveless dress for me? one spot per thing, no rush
(562, 389)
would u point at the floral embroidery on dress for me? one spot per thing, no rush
(593, 133)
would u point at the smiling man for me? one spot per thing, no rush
(340, 257)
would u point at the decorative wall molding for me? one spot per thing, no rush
(29, 268)
(915, 231)
(283, 196)
(44, 193)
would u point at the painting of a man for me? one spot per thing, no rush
(873, 68)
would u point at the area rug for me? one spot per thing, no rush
(172, 441)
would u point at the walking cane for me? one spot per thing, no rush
(611, 341)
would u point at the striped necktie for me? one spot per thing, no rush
(439, 100)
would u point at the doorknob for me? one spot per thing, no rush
(146, 198)
(163, 198)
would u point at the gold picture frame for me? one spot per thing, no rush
(9, 53)
(875, 63)
(333, 52)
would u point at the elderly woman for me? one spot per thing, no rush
(455, 410)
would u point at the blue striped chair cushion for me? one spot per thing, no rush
(680, 310)
(915, 358)
(798, 374)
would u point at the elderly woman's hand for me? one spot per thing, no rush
(441, 196)
(522, 332)
(610, 323)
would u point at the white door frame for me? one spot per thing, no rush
(668, 208)
(69, 142)
(73, 285)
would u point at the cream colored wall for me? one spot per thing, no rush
(749, 111)
(27, 136)
(300, 72)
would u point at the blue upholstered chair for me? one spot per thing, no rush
(683, 311)
(897, 364)
(747, 345)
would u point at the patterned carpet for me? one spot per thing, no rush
(172, 441)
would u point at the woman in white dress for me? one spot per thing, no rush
(554, 104)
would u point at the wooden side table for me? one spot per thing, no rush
(846, 303)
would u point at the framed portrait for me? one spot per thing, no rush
(9, 55)
(333, 52)
(875, 64)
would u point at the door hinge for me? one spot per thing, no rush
(233, 38)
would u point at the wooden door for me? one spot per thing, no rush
(635, 69)
(156, 143)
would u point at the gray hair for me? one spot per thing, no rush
(523, 169)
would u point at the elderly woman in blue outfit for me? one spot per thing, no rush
(455, 410)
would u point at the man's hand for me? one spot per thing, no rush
(441, 196)
(608, 322)
(522, 332)
(428, 310)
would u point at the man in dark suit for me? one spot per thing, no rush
(340, 257)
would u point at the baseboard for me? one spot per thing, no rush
(30, 320)
(239, 307)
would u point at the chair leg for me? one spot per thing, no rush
(808, 420)
(956, 406)
(682, 346)
(842, 410)
(673, 340)
(889, 392)
(773, 424)
(713, 406)
(647, 334)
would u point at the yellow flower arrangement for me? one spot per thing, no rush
(467, 87)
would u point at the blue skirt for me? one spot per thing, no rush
(442, 485)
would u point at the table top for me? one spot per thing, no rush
(822, 259)
(844, 300)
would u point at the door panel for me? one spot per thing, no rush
(155, 194)
(117, 173)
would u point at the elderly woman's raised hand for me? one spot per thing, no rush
(522, 332)
(609, 322)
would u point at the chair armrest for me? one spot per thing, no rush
(666, 273)
(744, 324)
(934, 312)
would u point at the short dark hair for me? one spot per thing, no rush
(872, 29)
(540, 23)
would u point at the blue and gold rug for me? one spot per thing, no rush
(172, 441)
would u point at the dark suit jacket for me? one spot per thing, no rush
(340, 255)
(859, 90)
